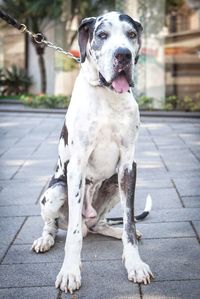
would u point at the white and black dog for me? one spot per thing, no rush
(96, 164)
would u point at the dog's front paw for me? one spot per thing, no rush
(69, 278)
(43, 244)
(140, 272)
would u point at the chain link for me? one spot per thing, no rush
(38, 37)
(58, 49)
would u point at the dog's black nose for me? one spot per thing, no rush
(123, 55)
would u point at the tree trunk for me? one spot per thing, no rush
(26, 52)
(42, 73)
(40, 50)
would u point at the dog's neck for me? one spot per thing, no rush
(90, 72)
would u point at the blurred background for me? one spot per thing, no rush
(168, 71)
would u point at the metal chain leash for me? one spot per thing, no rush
(38, 37)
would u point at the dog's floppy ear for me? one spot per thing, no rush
(84, 30)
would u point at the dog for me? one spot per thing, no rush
(96, 166)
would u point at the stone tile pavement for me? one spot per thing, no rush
(168, 157)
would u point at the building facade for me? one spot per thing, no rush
(169, 63)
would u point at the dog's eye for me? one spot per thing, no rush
(103, 35)
(131, 34)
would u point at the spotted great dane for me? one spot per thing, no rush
(96, 166)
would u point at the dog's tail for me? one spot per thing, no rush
(147, 209)
(143, 215)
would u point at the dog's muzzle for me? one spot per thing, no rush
(122, 71)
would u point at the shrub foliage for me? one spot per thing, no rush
(14, 81)
(45, 101)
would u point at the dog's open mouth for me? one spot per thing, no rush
(120, 83)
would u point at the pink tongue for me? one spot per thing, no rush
(120, 84)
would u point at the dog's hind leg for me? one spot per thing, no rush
(103, 228)
(107, 198)
(106, 229)
(51, 202)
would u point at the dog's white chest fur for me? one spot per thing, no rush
(105, 156)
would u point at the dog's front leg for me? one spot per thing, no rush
(69, 277)
(137, 270)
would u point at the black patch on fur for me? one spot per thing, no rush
(78, 193)
(60, 180)
(136, 59)
(80, 184)
(135, 24)
(108, 186)
(64, 134)
(88, 182)
(103, 81)
(56, 222)
(57, 167)
(102, 25)
(44, 200)
(107, 190)
(97, 42)
(74, 232)
(128, 186)
(99, 18)
(65, 168)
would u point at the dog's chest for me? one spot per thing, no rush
(105, 155)
(111, 136)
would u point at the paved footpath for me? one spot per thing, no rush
(168, 157)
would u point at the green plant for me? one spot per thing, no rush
(14, 81)
(145, 102)
(45, 101)
(13, 97)
(190, 103)
(171, 103)
(197, 102)
(186, 103)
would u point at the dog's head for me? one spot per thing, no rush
(111, 42)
